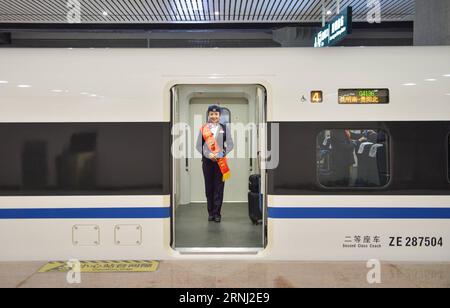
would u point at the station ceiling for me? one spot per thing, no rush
(193, 11)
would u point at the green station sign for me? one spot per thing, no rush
(337, 29)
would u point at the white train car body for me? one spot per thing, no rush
(134, 86)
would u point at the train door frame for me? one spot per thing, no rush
(261, 104)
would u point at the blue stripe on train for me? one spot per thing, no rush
(358, 213)
(273, 212)
(86, 213)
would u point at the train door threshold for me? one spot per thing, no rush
(220, 251)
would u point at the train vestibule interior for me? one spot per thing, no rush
(242, 111)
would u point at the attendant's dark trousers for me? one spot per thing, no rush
(214, 187)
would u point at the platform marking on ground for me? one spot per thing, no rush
(103, 267)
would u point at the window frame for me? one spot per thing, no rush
(448, 157)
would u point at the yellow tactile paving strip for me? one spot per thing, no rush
(101, 267)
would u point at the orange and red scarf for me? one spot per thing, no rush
(208, 136)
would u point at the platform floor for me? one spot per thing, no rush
(192, 228)
(232, 274)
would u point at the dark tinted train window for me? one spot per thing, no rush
(83, 158)
(418, 162)
(448, 159)
(353, 158)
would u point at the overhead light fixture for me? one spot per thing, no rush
(430, 79)
(105, 13)
(3, 82)
(24, 86)
(57, 91)
(329, 12)
(216, 13)
(410, 84)
(446, 75)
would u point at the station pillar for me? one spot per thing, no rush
(432, 22)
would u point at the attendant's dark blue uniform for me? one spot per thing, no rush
(214, 186)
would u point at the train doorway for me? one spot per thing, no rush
(243, 110)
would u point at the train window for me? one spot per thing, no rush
(83, 158)
(353, 158)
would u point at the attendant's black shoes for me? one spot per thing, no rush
(211, 218)
(217, 219)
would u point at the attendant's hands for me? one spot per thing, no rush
(213, 156)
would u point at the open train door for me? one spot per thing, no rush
(176, 161)
(245, 106)
(261, 99)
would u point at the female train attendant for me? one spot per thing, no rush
(214, 143)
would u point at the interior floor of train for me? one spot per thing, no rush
(235, 230)
(232, 274)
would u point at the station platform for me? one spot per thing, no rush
(233, 274)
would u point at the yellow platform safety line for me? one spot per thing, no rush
(103, 267)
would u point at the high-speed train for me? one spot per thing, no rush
(352, 146)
